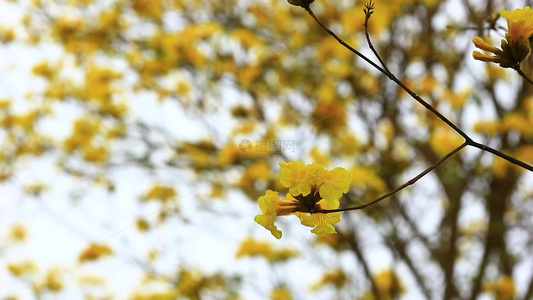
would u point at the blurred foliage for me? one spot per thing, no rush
(245, 85)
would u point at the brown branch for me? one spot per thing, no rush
(399, 246)
(501, 154)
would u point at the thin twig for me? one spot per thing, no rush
(401, 187)
(369, 10)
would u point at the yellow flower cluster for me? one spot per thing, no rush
(312, 189)
(515, 47)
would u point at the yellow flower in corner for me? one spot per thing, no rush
(336, 183)
(519, 23)
(515, 47)
(321, 222)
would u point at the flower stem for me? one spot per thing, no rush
(519, 70)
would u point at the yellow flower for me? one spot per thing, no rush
(295, 176)
(300, 178)
(321, 222)
(316, 174)
(311, 189)
(519, 23)
(515, 47)
(268, 208)
(336, 183)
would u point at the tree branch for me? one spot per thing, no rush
(401, 187)
(469, 141)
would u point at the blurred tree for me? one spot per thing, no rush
(129, 103)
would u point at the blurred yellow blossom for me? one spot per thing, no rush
(18, 233)
(52, 281)
(35, 189)
(84, 129)
(444, 140)
(502, 289)
(148, 8)
(23, 268)
(366, 178)
(160, 192)
(388, 284)
(253, 247)
(95, 154)
(94, 251)
(280, 293)
(45, 69)
(319, 157)
(335, 277)
(142, 224)
(6, 35)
